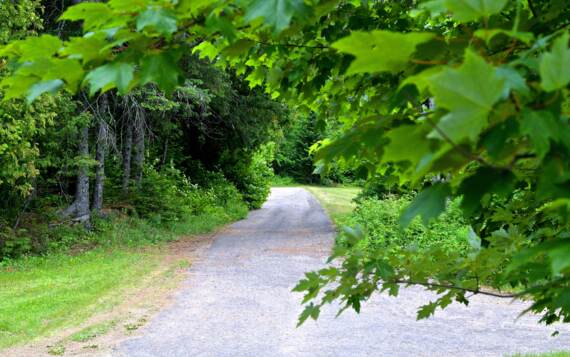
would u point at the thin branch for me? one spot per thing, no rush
(453, 287)
(320, 47)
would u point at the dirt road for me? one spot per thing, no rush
(238, 302)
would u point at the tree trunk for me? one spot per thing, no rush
(127, 150)
(139, 149)
(164, 153)
(102, 137)
(79, 209)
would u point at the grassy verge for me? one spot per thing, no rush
(42, 295)
(549, 354)
(337, 201)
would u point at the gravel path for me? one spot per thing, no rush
(237, 302)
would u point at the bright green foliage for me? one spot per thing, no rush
(276, 13)
(469, 94)
(429, 204)
(554, 69)
(110, 76)
(160, 69)
(159, 20)
(380, 51)
(468, 10)
(379, 218)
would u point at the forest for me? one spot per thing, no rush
(130, 123)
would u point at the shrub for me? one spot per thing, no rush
(165, 195)
(168, 195)
(252, 175)
(379, 218)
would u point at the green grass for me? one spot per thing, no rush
(549, 354)
(337, 201)
(93, 331)
(43, 294)
(40, 295)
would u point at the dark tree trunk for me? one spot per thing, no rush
(164, 153)
(127, 150)
(139, 148)
(79, 209)
(100, 152)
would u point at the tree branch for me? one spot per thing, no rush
(453, 287)
(320, 47)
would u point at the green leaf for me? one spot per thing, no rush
(399, 148)
(426, 311)
(32, 48)
(380, 51)
(191, 8)
(486, 180)
(421, 80)
(489, 34)
(238, 47)
(16, 86)
(93, 14)
(277, 14)
(111, 75)
(162, 69)
(469, 94)
(129, 6)
(311, 311)
(559, 257)
(43, 87)
(555, 65)
(88, 48)
(542, 128)
(513, 81)
(160, 20)
(206, 49)
(428, 204)
(466, 10)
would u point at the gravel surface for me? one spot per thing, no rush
(237, 301)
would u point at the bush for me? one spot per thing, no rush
(168, 195)
(379, 218)
(252, 175)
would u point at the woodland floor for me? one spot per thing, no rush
(235, 300)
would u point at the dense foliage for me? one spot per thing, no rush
(69, 158)
(379, 219)
(458, 99)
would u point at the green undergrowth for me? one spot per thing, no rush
(379, 218)
(283, 181)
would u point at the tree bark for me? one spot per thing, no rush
(79, 209)
(127, 151)
(100, 152)
(139, 148)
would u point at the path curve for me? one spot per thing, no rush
(237, 301)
